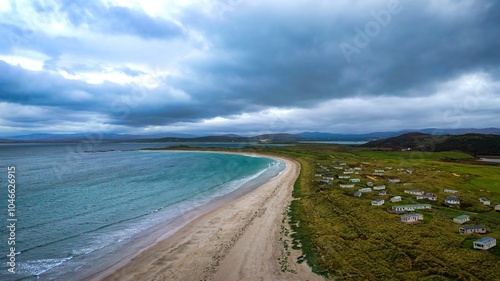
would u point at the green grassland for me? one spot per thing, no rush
(344, 237)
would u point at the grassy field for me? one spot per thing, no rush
(345, 238)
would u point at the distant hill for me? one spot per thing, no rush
(280, 137)
(476, 144)
(383, 135)
(235, 138)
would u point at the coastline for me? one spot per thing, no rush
(234, 239)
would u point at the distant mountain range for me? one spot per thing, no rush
(476, 144)
(176, 137)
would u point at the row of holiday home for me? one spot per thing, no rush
(411, 208)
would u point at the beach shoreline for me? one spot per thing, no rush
(239, 235)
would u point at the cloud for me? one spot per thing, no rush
(233, 67)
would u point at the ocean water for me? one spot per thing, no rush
(78, 211)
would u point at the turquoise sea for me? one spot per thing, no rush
(81, 208)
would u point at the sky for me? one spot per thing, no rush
(248, 67)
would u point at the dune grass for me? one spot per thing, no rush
(344, 237)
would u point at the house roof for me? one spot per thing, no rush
(378, 200)
(411, 215)
(485, 240)
(462, 217)
(411, 206)
(452, 198)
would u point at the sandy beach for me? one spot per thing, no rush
(239, 240)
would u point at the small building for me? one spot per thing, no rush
(354, 180)
(388, 168)
(344, 177)
(394, 180)
(497, 208)
(414, 192)
(470, 229)
(452, 200)
(328, 178)
(369, 184)
(357, 193)
(338, 168)
(412, 218)
(461, 219)
(343, 185)
(411, 208)
(485, 201)
(342, 164)
(383, 192)
(348, 172)
(379, 187)
(408, 171)
(366, 189)
(378, 174)
(485, 243)
(396, 199)
(450, 191)
(318, 175)
(428, 196)
(357, 169)
(378, 171)
(378, 202)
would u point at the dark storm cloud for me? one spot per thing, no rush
(125, 105)
(293, 58)
(267, 55)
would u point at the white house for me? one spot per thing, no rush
(452, 200)
(410, 208)
(318, 175)
(342, 164)
(370, 184)
(378, 174)
(348, 172)
(497, 208)
(469, 229)
(379, 187)
(412, 218)
(344, 176)
(485, 243)
(396, 199)
(354, 180)
(450, 191)
(366, 189)
(394, 180)
(388, 168)
(461, 219)
(357, 193)
(378, 202)
(357, 169)
(342, 185)
(383, 192)
(379, 171)
(485, 201)
(428, 196)
(414, 192)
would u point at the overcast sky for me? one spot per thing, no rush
(248, 66)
